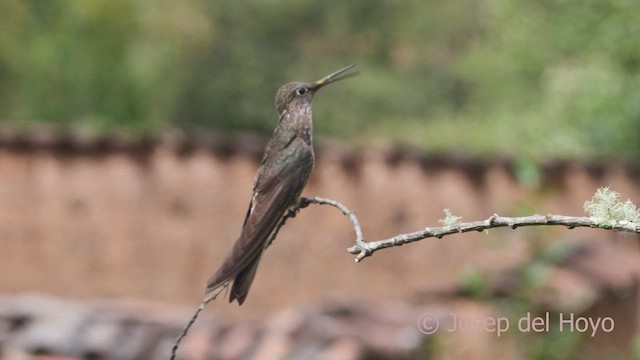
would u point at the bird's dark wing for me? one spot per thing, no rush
(279, 184)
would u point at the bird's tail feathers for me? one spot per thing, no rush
(242, 282)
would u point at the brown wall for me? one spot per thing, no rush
(154, 223)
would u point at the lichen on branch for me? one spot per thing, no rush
(606, 209)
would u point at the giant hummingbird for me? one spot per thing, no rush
(286, 166)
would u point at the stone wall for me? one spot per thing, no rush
(152, 220)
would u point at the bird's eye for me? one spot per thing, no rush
(301, 91)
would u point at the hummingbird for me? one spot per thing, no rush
(285, 168)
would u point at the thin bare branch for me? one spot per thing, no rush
(203, 304)
(304, 202)
(289, 214)
(494, 221)
(362, 248)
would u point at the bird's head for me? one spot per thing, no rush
(298, 95)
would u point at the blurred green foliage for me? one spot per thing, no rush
(534, 79)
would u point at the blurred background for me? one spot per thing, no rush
(131, 132)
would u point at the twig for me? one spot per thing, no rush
(348, 213)
(203, 304)
(303, 203)
(494, 221)
(364, 249)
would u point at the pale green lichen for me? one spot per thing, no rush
(449, 219)
(606, 209)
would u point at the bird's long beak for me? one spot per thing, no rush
(334, 77)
